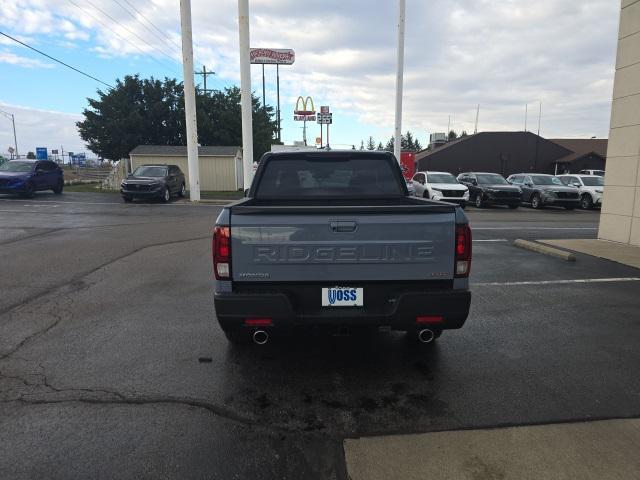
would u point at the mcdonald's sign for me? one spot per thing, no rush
(308, 108)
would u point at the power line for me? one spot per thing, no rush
(163, 40)
(120, 36)
(131, 32)
(178, 46)
(56, 60)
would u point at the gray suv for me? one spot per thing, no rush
(542, 190)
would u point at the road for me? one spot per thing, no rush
(112, 364)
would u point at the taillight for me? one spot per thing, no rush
(463, 251)
(222, 253)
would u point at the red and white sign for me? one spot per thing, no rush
(408, 164)
(324, 109)
(272, 56)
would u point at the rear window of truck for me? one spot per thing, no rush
(318, 177)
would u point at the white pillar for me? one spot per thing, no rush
(190, 101)
(245, 88)
(399, 81)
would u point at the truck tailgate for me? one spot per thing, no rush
(321, 247)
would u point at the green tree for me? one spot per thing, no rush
(390, 145)
(380, 146)
(371, 144)
(463, 134)
(31, 156)
(417, 146)
(452, 135)
(150, 111)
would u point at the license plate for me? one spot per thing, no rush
(342, 297)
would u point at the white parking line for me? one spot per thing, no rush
(557, 282)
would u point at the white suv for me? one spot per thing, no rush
(440, 186)
(590, 187)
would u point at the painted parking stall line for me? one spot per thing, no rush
(557, 282)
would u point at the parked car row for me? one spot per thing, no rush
(535, 189)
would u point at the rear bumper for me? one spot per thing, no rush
(232, 309)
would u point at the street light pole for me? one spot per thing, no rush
(190, 101)
(13, 122)
(397, 145)
(245, 92)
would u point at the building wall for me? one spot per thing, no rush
(620, 216)
(216, 173)
(500, 152)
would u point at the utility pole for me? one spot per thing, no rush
(190, 101)
(448, 127)
(397, 144)
(245, 88)
(13, 122)
(526, 114)
(539, 117)
(475, 130)
(204, 74)
(278, 108)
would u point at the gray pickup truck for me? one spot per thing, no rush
(333, 239)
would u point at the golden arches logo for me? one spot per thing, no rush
(306, 103)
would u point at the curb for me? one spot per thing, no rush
(545, 250)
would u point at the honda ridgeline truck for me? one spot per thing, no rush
(332, 238)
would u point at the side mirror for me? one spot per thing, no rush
(528, 184)
(246, 192)
(474, 182)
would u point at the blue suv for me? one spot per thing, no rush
(25, 177)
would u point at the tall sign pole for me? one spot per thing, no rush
(245, 91)
(190, 101)
(397, 144)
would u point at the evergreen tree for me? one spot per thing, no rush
(380, 146)
(371, 144)
(452, 135)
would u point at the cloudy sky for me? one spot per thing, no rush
(501, 54)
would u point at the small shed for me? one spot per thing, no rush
(220, 167)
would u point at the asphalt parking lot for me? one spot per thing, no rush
(112, 364)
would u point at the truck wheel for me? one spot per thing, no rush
(238, 337)
(166, 195)
(535, 201)
(479, 203)
(586, 202)
(183, 191)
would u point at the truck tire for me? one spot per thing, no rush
(478, 201)
(586, 202)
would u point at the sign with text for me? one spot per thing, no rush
(280, 56)
(41, 153)
(325, 118)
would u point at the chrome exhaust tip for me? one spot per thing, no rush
(260, 337)
(426, 335)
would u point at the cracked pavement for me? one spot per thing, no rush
(112, 364)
